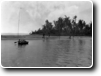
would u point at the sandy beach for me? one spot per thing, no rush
(14, 37)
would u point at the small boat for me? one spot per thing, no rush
(20, 41)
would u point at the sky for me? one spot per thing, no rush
(33, 14)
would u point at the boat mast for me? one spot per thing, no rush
(19, 21)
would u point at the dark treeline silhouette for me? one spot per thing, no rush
(65, 27)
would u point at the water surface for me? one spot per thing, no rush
(57, 52)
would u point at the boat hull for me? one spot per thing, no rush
(22, 43)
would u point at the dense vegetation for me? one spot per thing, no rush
(65, 26)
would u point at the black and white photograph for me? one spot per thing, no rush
(47, 34)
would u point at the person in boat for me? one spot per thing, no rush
(21, 40)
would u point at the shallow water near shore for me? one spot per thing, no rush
(56, 52)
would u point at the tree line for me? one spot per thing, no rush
(65, 26)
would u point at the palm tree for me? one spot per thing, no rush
(59, 25)
(74, 25)
(81, 26)
(67, 23)
(49, 27)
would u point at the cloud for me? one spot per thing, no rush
(34, 14)
(69, 11)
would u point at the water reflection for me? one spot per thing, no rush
(76, 54)
(22, 46)
(64, 48)
(81, 44)
(17, 60)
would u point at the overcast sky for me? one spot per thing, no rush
(33, 14)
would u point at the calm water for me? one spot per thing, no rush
(55, 52)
